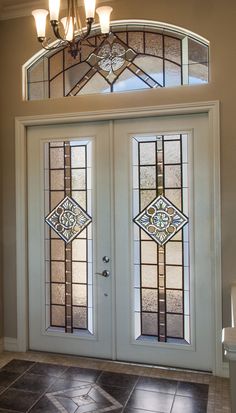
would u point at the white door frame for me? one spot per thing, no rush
(21, 124)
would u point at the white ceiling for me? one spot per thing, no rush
(10, 9)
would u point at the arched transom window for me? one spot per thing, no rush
(150, 57)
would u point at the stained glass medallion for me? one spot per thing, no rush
(68, 219)
(161, 220)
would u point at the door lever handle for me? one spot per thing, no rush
(105, 273)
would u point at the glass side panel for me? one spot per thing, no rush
(161, 241)
(68, 235)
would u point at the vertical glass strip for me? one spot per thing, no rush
(68, 247)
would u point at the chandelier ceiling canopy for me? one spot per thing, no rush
(68, 30)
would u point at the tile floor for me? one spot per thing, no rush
(45, 383)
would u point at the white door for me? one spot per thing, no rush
(164, 287)
(69, 304)
(155, 306)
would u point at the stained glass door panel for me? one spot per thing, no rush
(70, 305)
(164, 274)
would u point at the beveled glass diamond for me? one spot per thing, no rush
(68, 219)
(161, 220)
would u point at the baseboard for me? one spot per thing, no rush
(225, 369)
(11, 344)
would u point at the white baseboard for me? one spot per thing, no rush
(11, 344)
(225, 369)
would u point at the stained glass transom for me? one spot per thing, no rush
(127, 60)
(161, 238)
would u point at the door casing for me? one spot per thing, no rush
(21, 123)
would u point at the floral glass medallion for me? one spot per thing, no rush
(68, 219)
(161, 220)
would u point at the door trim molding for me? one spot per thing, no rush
(212, 108)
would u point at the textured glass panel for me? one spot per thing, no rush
(58, 315)
(58, 293)
(174, 195)
(174, 277)
(172, 152)
(154, 44)
(80, 317)
(149, 276)
(79, 294)
(56, 64)
(174, 253)
(198, 73)
(147, 153)
(80, 198)
(57, 250)
(78, 157)
(172, 74)
(79, 272)
(56, 197)
(128, 81)
(174, 301)
(149, 252)
(57, 180)
(74, 75)
(149, 324)
(57, 271)
(136, 41)
(56, 87)
(172, 49)
(149, 300)
(56, 158)
(148, 177)
(79, 250)
(122, 36)
(38, 72)
(78, 179)
(97, 84)
(172, 176)
(175, 325)
(38, 90)
(153, 66)
(146, 197)
(197, 52)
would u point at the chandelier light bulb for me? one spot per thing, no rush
(104, 18)
(68, 24)
(89, 8)
(54, 9)
(40, 16)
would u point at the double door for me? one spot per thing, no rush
(119, 240)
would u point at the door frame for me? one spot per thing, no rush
(212, 108)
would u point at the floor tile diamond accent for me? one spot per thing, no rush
(161, 220)
(86, 398)
(68, 219)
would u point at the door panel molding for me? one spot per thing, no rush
(21, 124)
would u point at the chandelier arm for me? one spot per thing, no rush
(84, 36)
(55, 27)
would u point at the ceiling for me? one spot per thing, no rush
(10, 9)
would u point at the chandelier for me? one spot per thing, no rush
(68, 30)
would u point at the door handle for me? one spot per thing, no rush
(105, 273)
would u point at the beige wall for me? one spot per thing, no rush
(212, 19)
